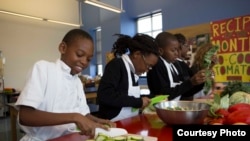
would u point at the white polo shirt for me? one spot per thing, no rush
(50, 87)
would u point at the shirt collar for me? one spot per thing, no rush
(64, 67)
(179, 59)
(128, 60)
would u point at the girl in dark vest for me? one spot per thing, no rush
(119, 94)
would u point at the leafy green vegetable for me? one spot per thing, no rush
(207, 64)
(234, 92)
(224, 102)
(207, 58)
(217, 98)
(208, 83)
(235, 86)
(213, 108)
(239, 97)
(134, 109)
(154, 100)
(158, 99)
(218, 103)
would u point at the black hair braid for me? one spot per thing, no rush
(140, 42)
(121, 45)
(148, 44)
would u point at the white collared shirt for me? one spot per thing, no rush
(50, 87)
(172, 83)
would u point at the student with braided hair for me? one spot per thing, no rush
(119, 92)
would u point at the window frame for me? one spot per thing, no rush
(150, 16)
(99, 62)
(151, 31)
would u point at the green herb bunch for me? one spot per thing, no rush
(235, 86)
(208, 64)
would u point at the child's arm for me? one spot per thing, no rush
(31, 117)
(27, 117)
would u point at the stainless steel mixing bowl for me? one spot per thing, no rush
(182, 112)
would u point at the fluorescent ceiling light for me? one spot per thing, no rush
(20, 15)
(103, 5)
(38, 18)
(59, 22)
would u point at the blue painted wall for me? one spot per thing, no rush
(181, 13)
(94, 17)
(176, 14)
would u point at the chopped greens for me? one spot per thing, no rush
(178, 108)
(103, 137)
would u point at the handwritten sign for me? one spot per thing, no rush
(233, 37)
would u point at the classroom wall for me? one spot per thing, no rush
(110, 22)
(181, 13)
(176, 14)
(25, 41)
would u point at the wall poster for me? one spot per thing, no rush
(233, 37)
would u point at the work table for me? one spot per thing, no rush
(145, 125)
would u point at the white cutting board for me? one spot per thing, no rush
(121, 132)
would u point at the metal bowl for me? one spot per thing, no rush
(192, 112)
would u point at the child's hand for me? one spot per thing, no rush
(199, 77)
(107, 123)
(85, 125)
(145, 102)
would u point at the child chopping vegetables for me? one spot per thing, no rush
(119, 94)
(53, 99)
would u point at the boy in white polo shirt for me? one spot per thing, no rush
(53, 99)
